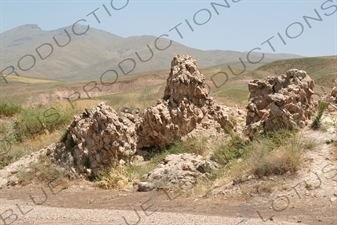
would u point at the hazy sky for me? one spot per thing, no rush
(241, 26)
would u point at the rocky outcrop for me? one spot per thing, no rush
(331, 99)
(185, 104)
(181, 170)
(283, 101)
(100, 138)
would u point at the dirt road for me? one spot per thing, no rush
(81, 204)
(146, 216)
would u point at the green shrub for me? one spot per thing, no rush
(6, 159)
(235, 149)
(276, 139)
(317, 121)
(274, 153)
(7, 131)
(9, 109)
(41, 119)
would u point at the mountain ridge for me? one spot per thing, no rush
(60, 54)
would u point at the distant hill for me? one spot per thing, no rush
(87, 56)
(268, 57)
(322, 69)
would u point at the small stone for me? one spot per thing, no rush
(145, 186)
(333, 199)
(250, 177)
(123, 195)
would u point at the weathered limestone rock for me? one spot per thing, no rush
(283, 101)
(180, 171)
(101, 138)
(331, 99)
(185, 104)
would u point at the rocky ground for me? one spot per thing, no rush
(309, 197)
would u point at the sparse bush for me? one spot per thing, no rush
(41, 119)
(5, 160)
(7, 130)
(234, 149)
(274, 153)
(9, 109)
(317, 121)
(10, 156)
(279, 138)
(309, 145)
(115, 177)
(277, 154)
(265, 187)
(193, 145)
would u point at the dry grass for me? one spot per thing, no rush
(285, 159)
(274, 154)
(43, 170)
(114, 178)
(20, 149)
(9, 109)
(28, 80)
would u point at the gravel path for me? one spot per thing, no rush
(10, 214)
